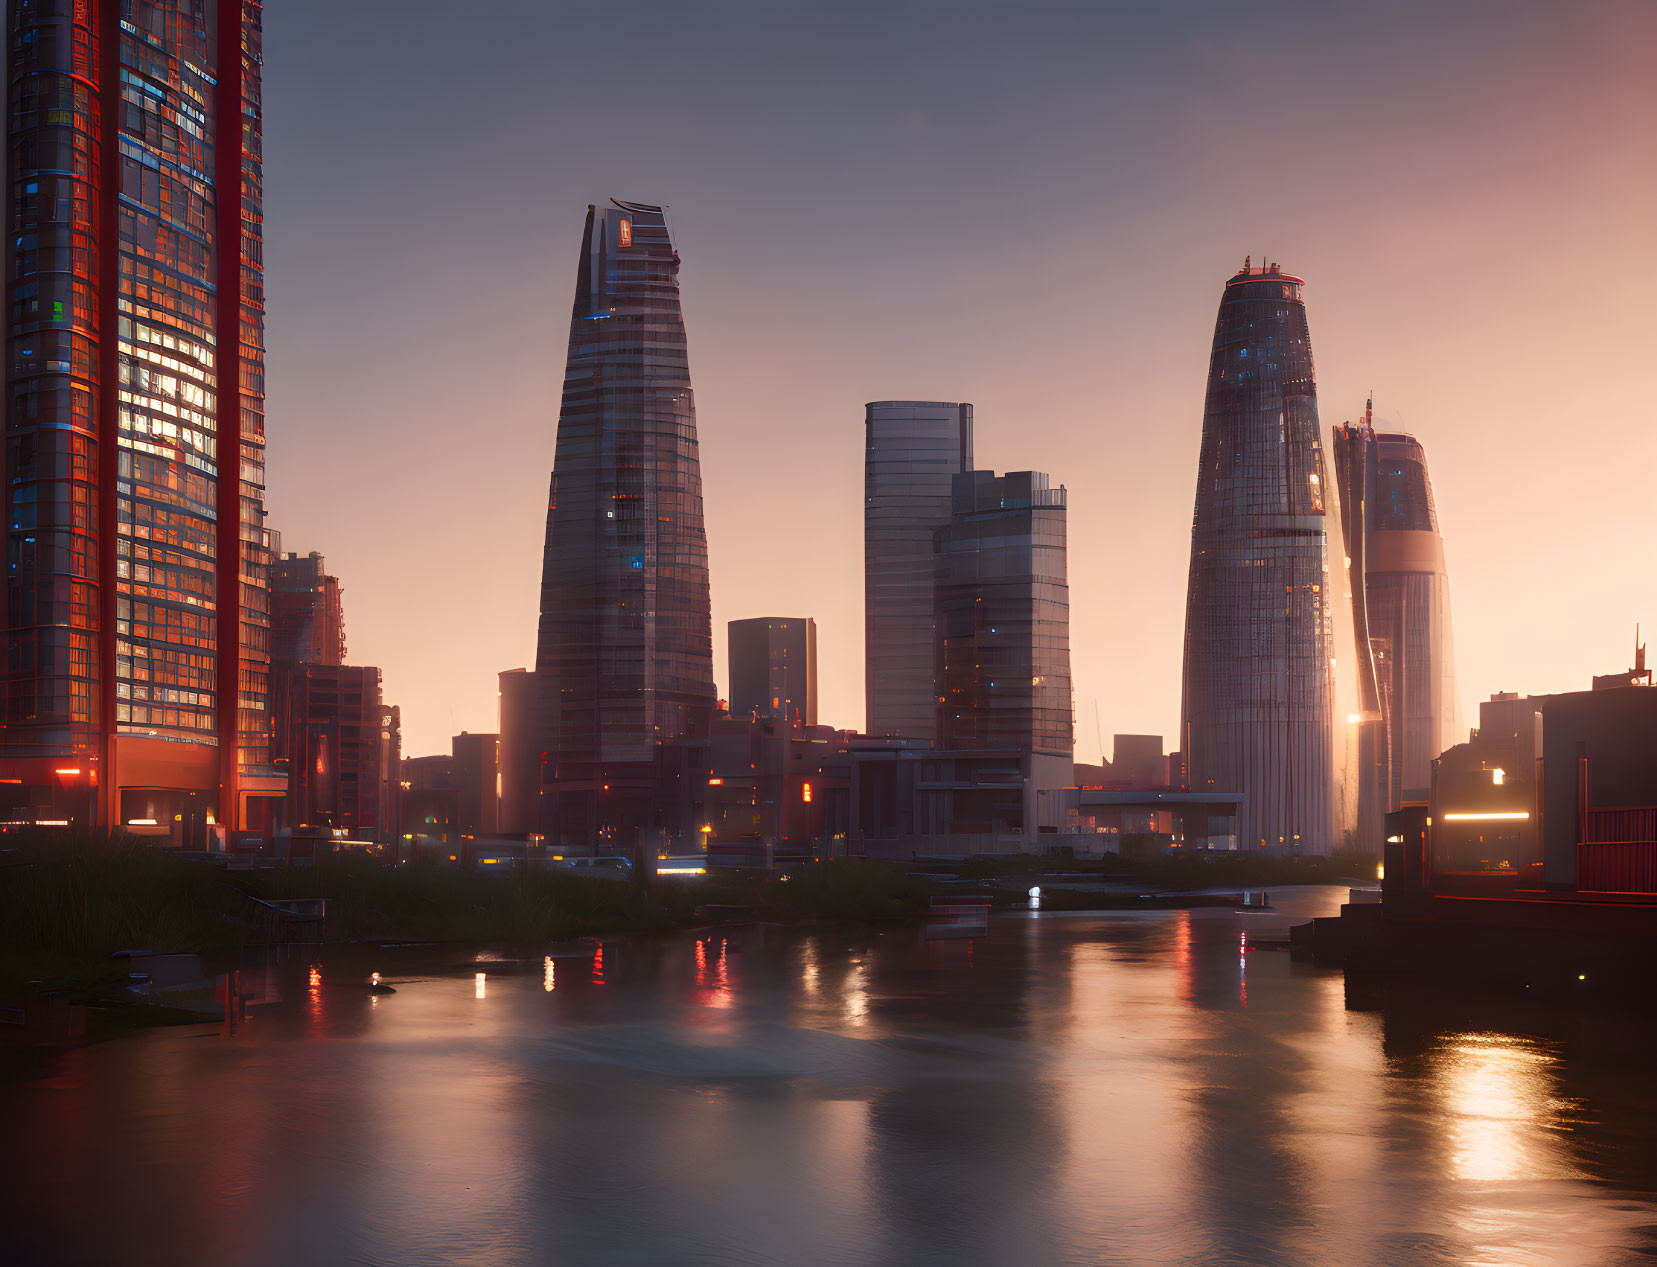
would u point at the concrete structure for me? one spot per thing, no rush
(1258, 679)
(135, 606)
(520, 758)
(1400, 616)
(624, 659)
(773, 663)
(1535, 863)
(913, 449)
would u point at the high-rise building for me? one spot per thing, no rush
(476, 767)
(307, 618)
(912, 450)
(520, 756)
(774, 668)
(1003, 616)
(1400, 618)
(135, 608)
(624, 660)
(1258, 678)
(335, 739)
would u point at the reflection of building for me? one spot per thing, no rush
(1401, 618)
(335, 737)
(912, 451)
(1002, 617)
(135, 604)
(625, 654)
(774, 668)
(1258, 685)
(520, 756)
(476, 767)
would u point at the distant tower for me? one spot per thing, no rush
(912, 450)
(624, 660)
(773, 663)
(1401, 618)
(1258, 681)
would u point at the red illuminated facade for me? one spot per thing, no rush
(135, 606)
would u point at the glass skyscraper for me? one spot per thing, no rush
(624, 660)
(912, 450)
(136, 615)
(1003, 616)
(1400, 617)
(1258, 678)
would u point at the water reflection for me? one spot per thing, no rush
(1501, 1113)
(1140, 1087)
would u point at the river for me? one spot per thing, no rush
(1116, 1088)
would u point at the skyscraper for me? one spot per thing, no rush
(307, 616)
(1258, 680)
(774, 668)
(624, 659)
(135, 612)
(1003, 616)
(912, 450)
(520, 755)
(1400, 617)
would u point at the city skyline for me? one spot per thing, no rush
(1422, 159)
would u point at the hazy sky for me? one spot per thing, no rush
(1032, 208)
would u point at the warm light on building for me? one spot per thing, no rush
(1488, 817)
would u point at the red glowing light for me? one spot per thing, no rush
(805, 793)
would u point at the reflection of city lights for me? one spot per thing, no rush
(481, 983)
(808, 967)
(549, 976)
(856, 1006)
(1497, 1091)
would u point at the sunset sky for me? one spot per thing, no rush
(1029, 207)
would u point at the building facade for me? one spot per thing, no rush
(774, 668)
(1002, 617)
(337, 743)
(624, 660)
(307, 616)
(1258, 685)
(135, 606)
(1401, 619)
(913, 449)
(520, 756)
(477, 786)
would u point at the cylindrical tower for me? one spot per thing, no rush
(1258, 679)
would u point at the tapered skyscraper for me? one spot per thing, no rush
(1258, 681)
(625, 656)
(1400, 618)
(912, 451)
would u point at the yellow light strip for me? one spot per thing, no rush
(1481, 818)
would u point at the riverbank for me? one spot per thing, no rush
(67, 905)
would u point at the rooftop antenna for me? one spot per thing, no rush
(1639, 650)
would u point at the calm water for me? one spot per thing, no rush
(1071, 1089)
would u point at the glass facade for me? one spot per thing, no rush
(912, 451)
(624, 660)
(1256, 715)
(135, 595)
(1401, 618)
(1003, 616)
